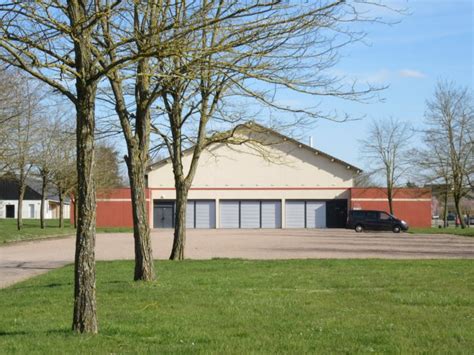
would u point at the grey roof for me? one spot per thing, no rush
(50, 194)
(9, 189)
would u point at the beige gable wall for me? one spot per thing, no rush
(282, 171)
(282, 165)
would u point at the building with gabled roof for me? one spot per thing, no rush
(275, 183)
(9, 188)
(263, 180)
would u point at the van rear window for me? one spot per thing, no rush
(372, 215)
(358, 214)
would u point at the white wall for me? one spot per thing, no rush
(280, 171)
(26, 210)
(284, 165)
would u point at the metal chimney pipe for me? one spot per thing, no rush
(311, 141)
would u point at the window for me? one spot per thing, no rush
(358, 214)
(384, 216)
(32, 211)
(372, 215)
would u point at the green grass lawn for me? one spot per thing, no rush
(466, 232)
(237, 306)
(31, 230)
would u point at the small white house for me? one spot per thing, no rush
(31, 202)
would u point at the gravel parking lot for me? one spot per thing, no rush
(19, 261)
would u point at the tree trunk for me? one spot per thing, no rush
(390, 199)
(75, 213)
(144, 267)
(19, 219)
(390, 204)
(138, 140)
(43, 192)
(85, 309)
(179, 241)
(457, 203)
(390, 183)
(445, 212)
(21, 195)
(61, 207)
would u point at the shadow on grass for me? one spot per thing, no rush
(16, 332)
(111, 282)
(63, 331)
(51, 285)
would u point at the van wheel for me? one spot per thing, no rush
(358, 228)
(396, 229)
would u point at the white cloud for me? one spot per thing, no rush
(383, 76)
(410, 73)
(379, 77)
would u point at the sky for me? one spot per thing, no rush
(433, 42)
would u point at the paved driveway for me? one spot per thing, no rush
(22, 260)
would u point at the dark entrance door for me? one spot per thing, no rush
(10, 211)
(163, 215)
(336, 213)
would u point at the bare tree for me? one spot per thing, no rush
(8, 110)
(242, 56)
(52, 41)
(55, 161)
(449, 141)
(434, 169)
(64, 174)
(387, 149)
(22, 136)
(46, 154)
(107, 172)
(147, 25)
(364, 180)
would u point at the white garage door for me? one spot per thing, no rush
(315, 214)
(271, 214)
(229, 214)
(295, 214)
(305, 214)
(190, 214)
(250, 214)
(201, 214)
(205, 214)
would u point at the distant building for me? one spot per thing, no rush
(438, 197)
(32, 201)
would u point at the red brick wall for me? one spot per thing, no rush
(411, 205)
(114, 208)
